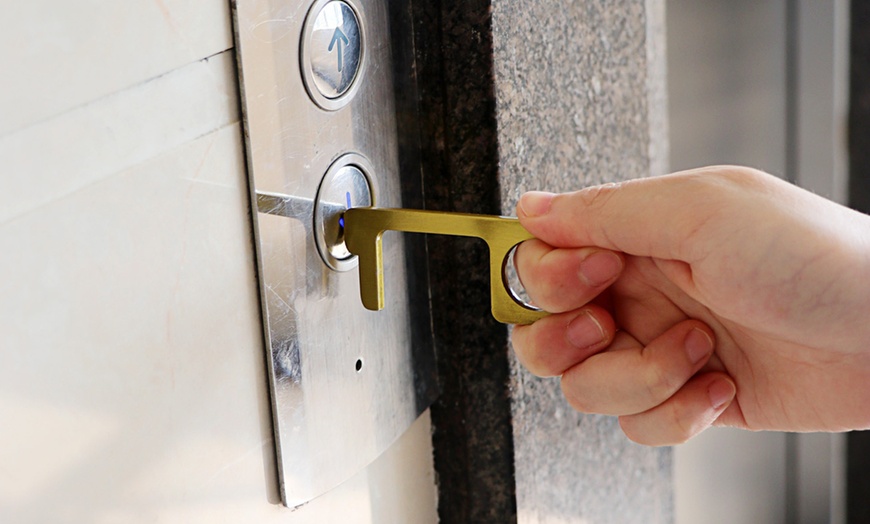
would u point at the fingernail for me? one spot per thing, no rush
(721, 392)
(536, 203)
(584, 331)
(698, 345)
(599, 268)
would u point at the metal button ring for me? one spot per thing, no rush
(332, 53)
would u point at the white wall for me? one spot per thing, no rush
(729, 88)
(132, 369)
(726, 87)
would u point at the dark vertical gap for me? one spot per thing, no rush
(859, 107)
(411, 173)
(858, 442)
(857, 478)
(472, 434)
(792, 56)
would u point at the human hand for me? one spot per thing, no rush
(714, 296)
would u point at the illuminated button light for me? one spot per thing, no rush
(345, 185)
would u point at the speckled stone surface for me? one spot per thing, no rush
(471, 420)
(580, 101)
(515, 95)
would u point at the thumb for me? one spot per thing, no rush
(662, 217)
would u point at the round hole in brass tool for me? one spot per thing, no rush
(512, 283)
(346, 184)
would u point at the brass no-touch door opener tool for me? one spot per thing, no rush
(363, 233)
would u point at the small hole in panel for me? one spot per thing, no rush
(359, 365)
(512, 281)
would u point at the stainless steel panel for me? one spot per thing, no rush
(342, 377)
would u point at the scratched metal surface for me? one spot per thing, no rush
(342, 378)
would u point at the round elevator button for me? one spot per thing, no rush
(332, 53)
(346, 184)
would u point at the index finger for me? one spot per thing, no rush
(657, 217)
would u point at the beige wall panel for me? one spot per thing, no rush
(132, 373)
(132, 376)
(132, 369)
(55, 158)
(130, 380)
(57, 55)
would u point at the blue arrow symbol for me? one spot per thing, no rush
(338, 37)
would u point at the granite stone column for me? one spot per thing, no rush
(516, 95)
(580, 100)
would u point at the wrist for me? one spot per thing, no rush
(854, 274)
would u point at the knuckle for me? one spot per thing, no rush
(553, 297)
(681, 432)
(528, 250)
(715, 177)
(660, 429)
(742, 174)
(533, 348)
(521, 343)
(575, 400)
(523, 260)
(526, 352)
(538, 293)
(537, 366)
(630, 429)
(598, 196)
(557, 284)
(660, 384)
(548, 288)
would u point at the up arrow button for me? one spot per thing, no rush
(332, 52)
(337, 38)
